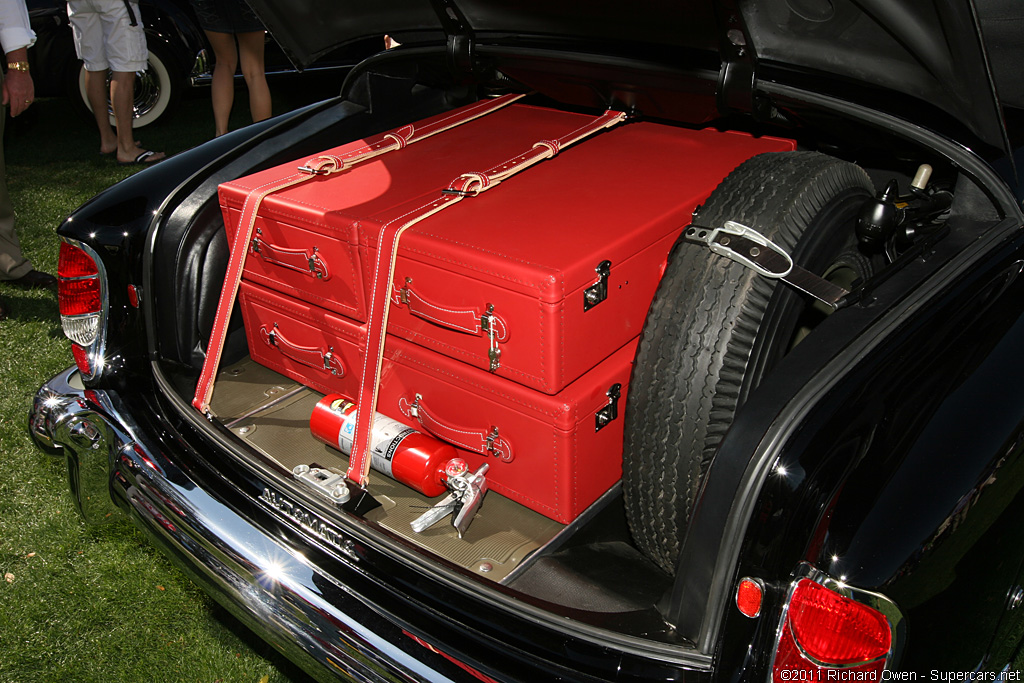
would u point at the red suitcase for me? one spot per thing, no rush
(554, 454)
(554, 269)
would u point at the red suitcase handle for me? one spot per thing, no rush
(299, 260)
(468, 320)
(484, 441)
(307, 355)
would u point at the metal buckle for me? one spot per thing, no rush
(744, 245)
(750, 248)
(460, 193)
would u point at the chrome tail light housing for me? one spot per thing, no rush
(829, 630)
(82, 295)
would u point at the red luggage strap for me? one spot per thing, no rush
(466, 185)
(316, 167)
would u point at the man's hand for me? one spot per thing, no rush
(19, 91)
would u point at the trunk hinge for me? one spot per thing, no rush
(738, 76)
(460, 55)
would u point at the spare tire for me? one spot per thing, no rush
(715, 328)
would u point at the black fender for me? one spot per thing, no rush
(906, 479)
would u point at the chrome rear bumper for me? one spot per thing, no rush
(276, 592)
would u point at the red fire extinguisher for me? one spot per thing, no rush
(402, 453)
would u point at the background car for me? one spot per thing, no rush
(817, 470)
(179, 57)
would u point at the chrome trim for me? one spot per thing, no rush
(201, 72)
(271, 588)
(877, 601)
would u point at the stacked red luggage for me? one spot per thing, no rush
(513, 315)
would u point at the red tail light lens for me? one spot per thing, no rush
(80, 299)
(824, 630)
(73, 262)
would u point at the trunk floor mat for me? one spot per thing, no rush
(271, 413)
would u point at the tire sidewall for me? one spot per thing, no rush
(160, 75)
(716, 328)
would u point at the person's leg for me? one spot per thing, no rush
(96, 91)
(222, 89)
(127, 54)
(13, 263)
(250, 45)
(89, 29)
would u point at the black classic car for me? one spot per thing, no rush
(179, 57)
(817, 444)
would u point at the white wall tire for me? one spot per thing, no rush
(156, 91)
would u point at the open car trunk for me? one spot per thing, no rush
(607, 562)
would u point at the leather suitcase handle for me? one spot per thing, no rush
(301, 260)
(467, 320)
(307, 355)
(484, 441)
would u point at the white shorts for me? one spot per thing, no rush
(104, 36)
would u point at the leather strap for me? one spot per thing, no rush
(466, 185)
(315, 168)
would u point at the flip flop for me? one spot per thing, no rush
(141, 160)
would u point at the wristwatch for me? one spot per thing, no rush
(17, 66)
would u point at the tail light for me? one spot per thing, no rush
(81, 296)
(828, 627)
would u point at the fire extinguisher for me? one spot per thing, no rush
(402, 453)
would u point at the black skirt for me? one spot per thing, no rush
(226, 16)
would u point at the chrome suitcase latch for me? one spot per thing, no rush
(598, 292)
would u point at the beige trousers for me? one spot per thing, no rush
(12, 263)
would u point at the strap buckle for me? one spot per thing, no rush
(750, 248)
(314, 171)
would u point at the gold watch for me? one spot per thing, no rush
(17, 66)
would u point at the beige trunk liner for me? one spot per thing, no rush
(271, 412)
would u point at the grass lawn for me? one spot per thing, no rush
(79, 604)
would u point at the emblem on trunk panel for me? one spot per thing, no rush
(307, 520)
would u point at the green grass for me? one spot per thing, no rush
(79, 604)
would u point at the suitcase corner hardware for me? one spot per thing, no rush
(611, 410)
(598, 292)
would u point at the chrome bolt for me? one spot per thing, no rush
(485, 567)
(755, 252)
(1016, 598)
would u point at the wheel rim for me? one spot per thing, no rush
(151, 95)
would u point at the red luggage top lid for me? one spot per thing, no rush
(627, 187)
(376, 187)
(543, 231)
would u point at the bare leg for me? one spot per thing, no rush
(122, 92)
(250, 45)
(223, 86)
(96, 91)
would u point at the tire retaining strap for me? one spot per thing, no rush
(745, 245)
